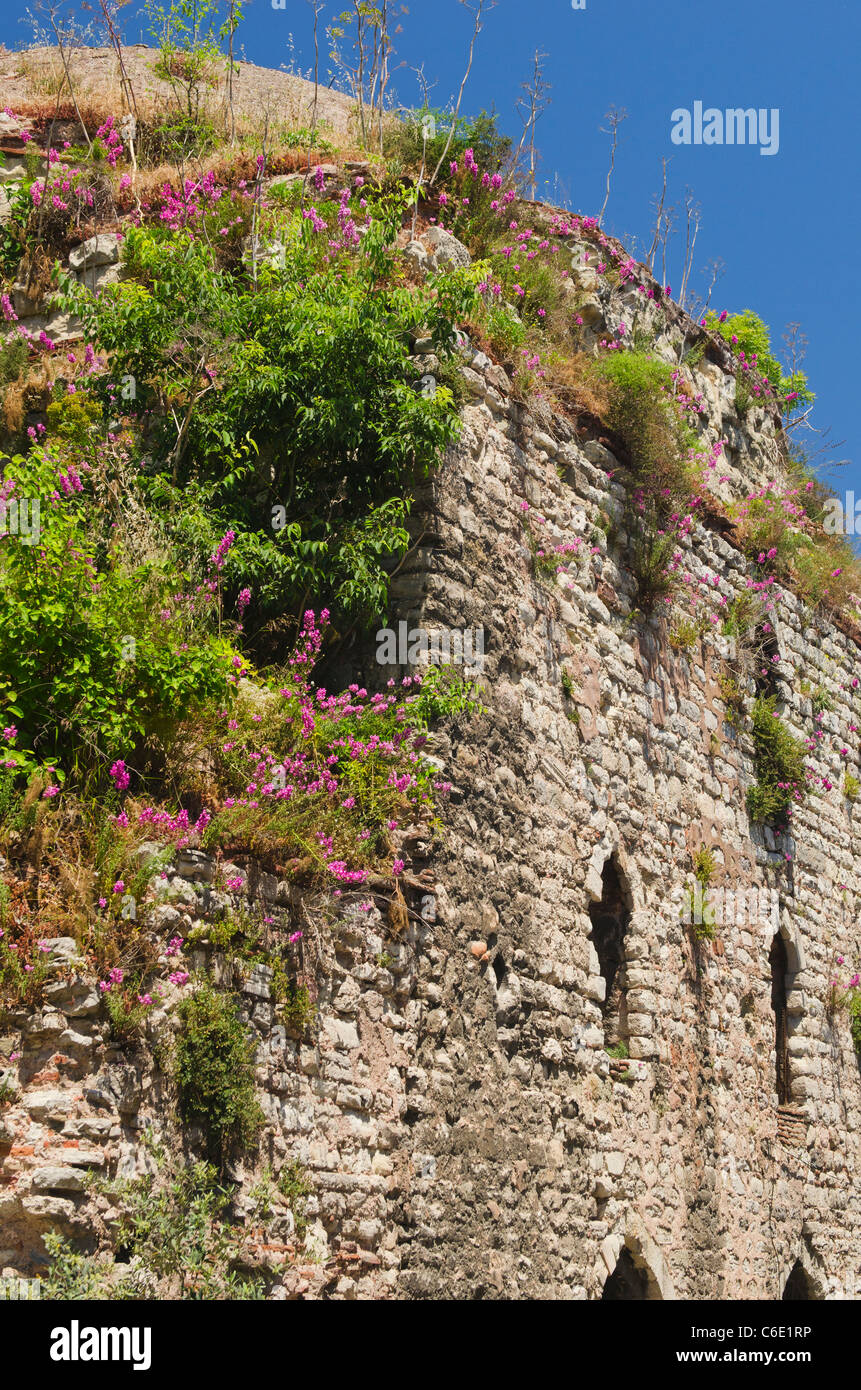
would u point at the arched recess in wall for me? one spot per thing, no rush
(785, 959)
(631, 1267)
(804, 1282)
(778, 965)
(610, 916)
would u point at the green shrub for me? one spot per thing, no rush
(740, 614)
(175, 139)
(403, 139)
(294, 1185)
(643, 413)
(13, 359)
(126, 1016)
(292, 413)
(660, 445)
(683, 635)
(215, 1072)
(73, 1276)
(176, 1235)
(753, 339)
(505, 332)
(779, 763)
(94, 665)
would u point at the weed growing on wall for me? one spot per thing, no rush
(215, 1072)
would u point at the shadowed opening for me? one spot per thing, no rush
(610, 918)
(628, 1280)
(798, 1285)
(778, 962)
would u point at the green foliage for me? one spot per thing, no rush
(294, 1002)
(291, 413)
(732, 694)
(12, 230)
(705, 865)
(505, 332)
(642, 411)
(188, 47)
(405, 137)
(821, 700)
(445, 693)
(13, 359)
(650, 554)
(660, 447)
(683, 635)
(75, 419)
(294, 1185)
(74, 1277)
(175, 139)
(178, 1234)
(126, 1015)
(215, 1072)
(846, 998)
(779, 763)
(178, 1238)
(753, 339)
(743, 394)
(739, 615)
(94, 665)
(697, 907)
(21, 978)
(851, 786)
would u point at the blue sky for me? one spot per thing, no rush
(783, 225)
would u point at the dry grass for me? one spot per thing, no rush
(574, 386)
(31, 75)
(31, 392)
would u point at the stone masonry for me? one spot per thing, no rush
(465, 1131)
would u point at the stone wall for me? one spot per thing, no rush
(551, 1156)
(465, 1131)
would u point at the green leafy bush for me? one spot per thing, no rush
(97, 654)
(660, 447)
(405, 137)
(215, 1072)
(291, 412)
(174, 139)
(177, 1237)
(642, 411)
(752, 337)
(780, 766)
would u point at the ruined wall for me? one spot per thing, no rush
(464, 1129)
(550, 1155)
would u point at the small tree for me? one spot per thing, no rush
(188, 47)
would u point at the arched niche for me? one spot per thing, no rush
(632, 1267)
(610, 918)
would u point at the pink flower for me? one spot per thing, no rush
(120, 775)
